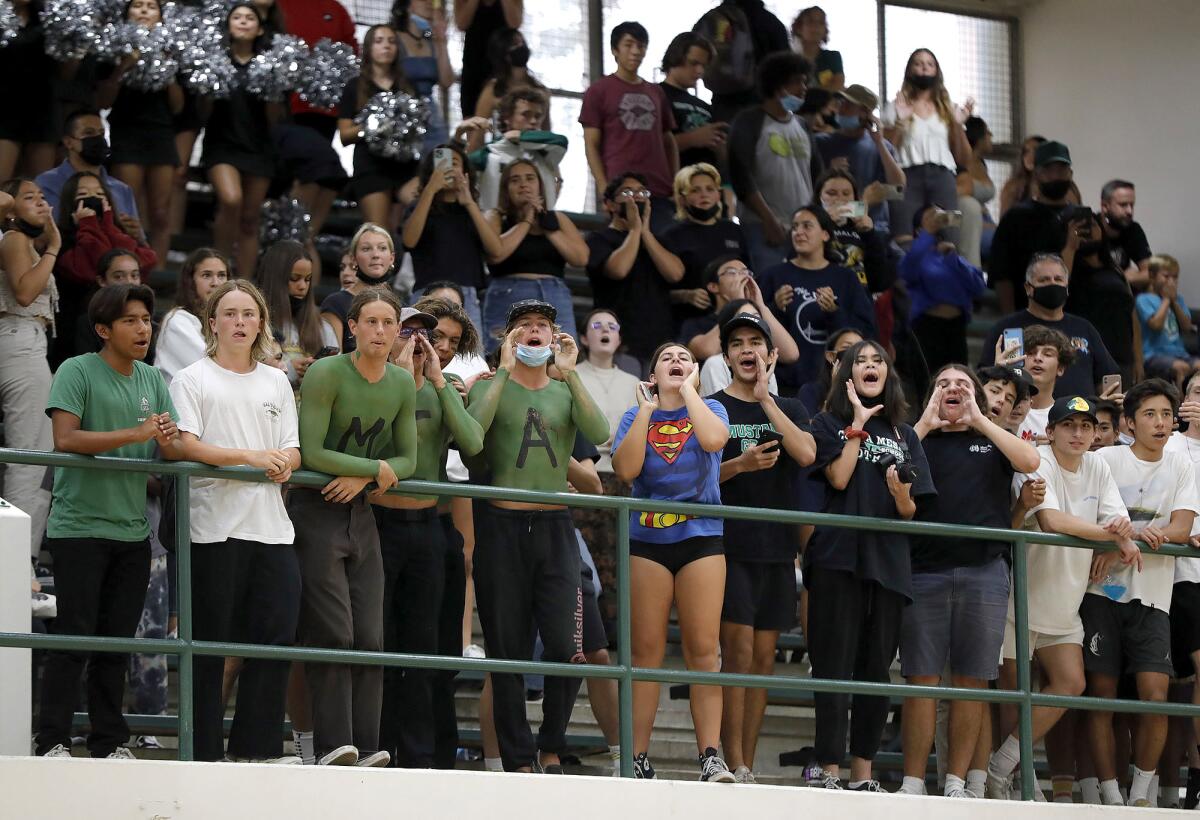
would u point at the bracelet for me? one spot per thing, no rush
(851, 433)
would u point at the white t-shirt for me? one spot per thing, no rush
(715, 376)
(180, 343)
(1151, 490)
(1058, 576)
(1187, 569)
(1034, 424)
(613, 390)
(781, 169)
(464, 367)
(246, 411)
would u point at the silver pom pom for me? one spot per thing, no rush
(71, 27)
(324, 75)
(394, 125)
(283, 218)
(156, 66)
(10, 24)
(274, 73)
(195, 41)
(118, 39)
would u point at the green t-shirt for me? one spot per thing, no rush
(105, 503)
(347, 423)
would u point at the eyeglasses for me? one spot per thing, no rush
(640, 193)
(407, 332)
(736, 272)
(613, 326)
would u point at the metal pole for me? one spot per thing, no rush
(183, 554)
(624, 645)
(1021, 607)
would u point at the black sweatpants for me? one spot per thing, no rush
(854, 631)
(101, 587)
(527, 574)
(248, 592)
(450, 619)
(413, 547)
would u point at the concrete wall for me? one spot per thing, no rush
(1115, 80)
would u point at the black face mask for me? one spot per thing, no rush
(94, 150)
(372, 281)
(1051, 297)
(703, 214)
(923, 82)
(1055, 189)
(518, 57)
(28, 228)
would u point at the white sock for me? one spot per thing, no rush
(1152, 792)
(976, 779)
(1140, 787)
(954, 784)
(614, 752)
(493, 764)
(1110, 793)
(1006, 758)
(912, 785)
(1089, 790)
(303, 741)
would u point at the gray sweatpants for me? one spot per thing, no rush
(341, 607)
(24, 390)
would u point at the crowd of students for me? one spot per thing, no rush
(782, 274)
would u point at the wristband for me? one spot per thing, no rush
(851, 433)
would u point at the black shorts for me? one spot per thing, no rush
(678, 555)
(1185, 626)
(1127, 637)
(132, 145)
(760, 594)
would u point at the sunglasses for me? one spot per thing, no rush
(613, 326)
(407, 332)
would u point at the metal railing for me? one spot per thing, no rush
(624, 672)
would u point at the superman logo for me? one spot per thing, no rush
(668, 437)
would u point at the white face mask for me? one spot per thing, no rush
(534, 356)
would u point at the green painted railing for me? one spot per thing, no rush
(623, 671)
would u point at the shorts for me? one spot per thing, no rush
(1037, 640)
(1128, 637)
(957, 616)
(760, 594)
(307, 157)
(678, 555)
(1185, 626)
(132, 145)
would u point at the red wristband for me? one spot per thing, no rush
(861, 435)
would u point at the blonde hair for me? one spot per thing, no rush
(683, 181)
(1163, 261)
(260, 351)
(371, 227)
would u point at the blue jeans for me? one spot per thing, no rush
(506, 291)
(470, 303)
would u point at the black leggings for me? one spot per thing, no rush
(854, 630)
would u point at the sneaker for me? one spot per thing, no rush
(830, 781)
(302, 745)
(742, 774)
(867, 786)
(58, 751)
(474, 651)
(44, 606)
(959, 794)
(341, 756)
(1142, 803)
(147, 742)
(813, 775)
(997, 788)
(284, 760)
(713, 768)
(642, 770)
(375, 760)
(540, 768)
(121, 753)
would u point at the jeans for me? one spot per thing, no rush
(506, 291)
(24, 389)
(925, 185)
(470, 303)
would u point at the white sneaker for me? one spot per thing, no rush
(284, 760)
(58, 751)
(375, 760)
(147, 742)
(121, 753)
(959, 794)
(474, 651)
(44, 606)
(742, 774)
(997, 788)
(341, 756)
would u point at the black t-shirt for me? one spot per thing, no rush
(1092, 360)
(449, 248)
(641, 299)
(697, 326)
(973, 479)
(583, 450)
(338, 303)
(239, 121)
(1027, 228)
(691, 113)
(879, 556)
(475, 65)
(762, 541)
(1103, 297)
(696, 245)
(1130, 246)
(864, 253)
(144, 111)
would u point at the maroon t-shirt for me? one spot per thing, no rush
(631, 118)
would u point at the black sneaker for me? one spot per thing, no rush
(642, 770)
(867, 786)
(1191, 797)
(829, 781)
(713, 768)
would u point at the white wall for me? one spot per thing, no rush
(1115, 80)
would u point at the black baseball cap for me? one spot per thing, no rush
(524, 306)
(1069, 406)
(1051, 151)
(745, 320)
(1021, 376)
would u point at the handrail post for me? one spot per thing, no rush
(624, 642)
(183, 555)
(1021, 608)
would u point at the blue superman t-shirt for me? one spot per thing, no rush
(676, 469)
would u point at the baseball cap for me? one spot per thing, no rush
(860, 95)
(1051, 151)
(1020, 375)
(428, 320)
(745, 320)
(524, 306)
(1069, 406)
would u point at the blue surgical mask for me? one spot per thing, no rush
(848, 122)
(534, 356)
(791, 102)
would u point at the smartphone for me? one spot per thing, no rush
(1075, 213)
(93, 202)
(953, 219)
(893, 193)
(645, 390)
(1110, 385)
(443, 159)
(856, 209)
(767, 436)
(1014, 337)
(325, 352)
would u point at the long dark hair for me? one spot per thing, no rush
(395, 70)
(66, 207)
(941, 98)
(895, 407)
(186, 296)
(425, 170)
(260, 42)
(503, 204)
(826, 375)
(274, 271)
(498, 46)
(824, 220)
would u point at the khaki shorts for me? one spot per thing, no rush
(1037, 640)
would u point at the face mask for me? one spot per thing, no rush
(28, 228)
(1051, 297)
(848, 123)
(519, 56)
(94, 150)
(830, 119)
(371, 280)
(534, 356)
(923, 82)
(791, 102)
(703, 214)
(1055, 189)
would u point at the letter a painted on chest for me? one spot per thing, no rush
(535, 436)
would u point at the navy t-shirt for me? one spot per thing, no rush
(1092, 360)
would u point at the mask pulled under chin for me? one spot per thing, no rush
(703, 214)
(28, 228)
(534, 356)
(371, 280)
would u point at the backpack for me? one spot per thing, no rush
(732, 69)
